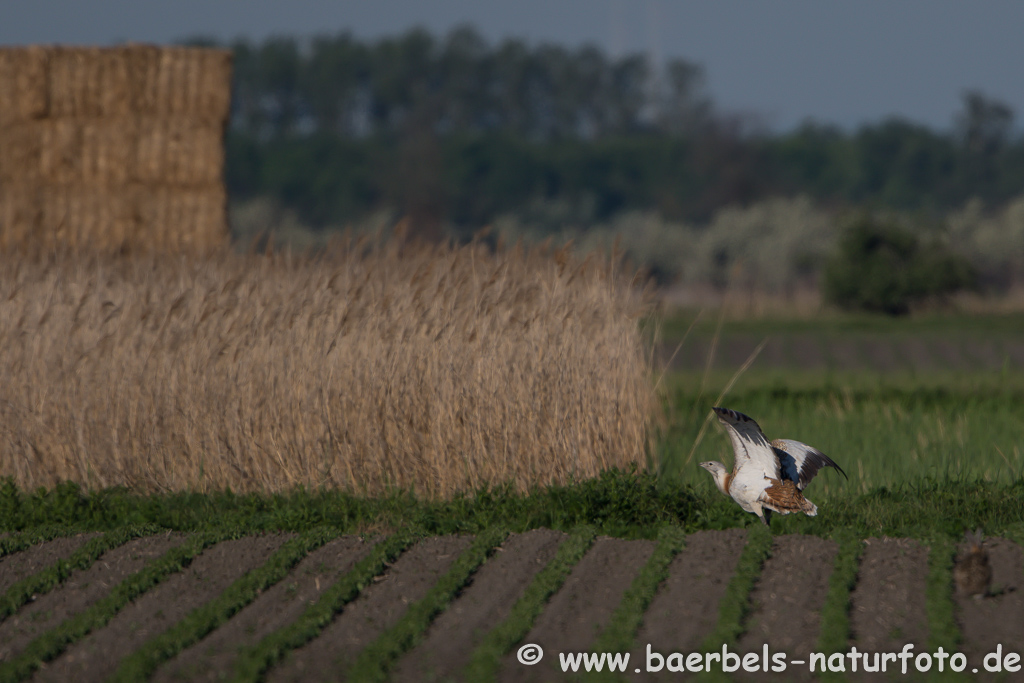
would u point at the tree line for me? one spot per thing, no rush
(458, 130)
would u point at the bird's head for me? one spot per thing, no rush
(718, 471)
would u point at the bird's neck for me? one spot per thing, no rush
(722, 481)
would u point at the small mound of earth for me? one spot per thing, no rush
(996, 618)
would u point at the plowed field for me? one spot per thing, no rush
(426, 614)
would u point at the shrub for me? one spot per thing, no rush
(882, 267)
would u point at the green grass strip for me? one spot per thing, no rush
(43, 582)
(253, 662)
(620, 634)
(24, 540)
(621, 631)
(835, 612)
(486, 658)
(141, 664)
(942, 629)
(735, 604)
(373, 663)
(51, 644)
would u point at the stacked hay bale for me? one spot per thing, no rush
(113, 149)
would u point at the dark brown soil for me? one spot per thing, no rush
(685, 609)
(18, 566)
(997, 618)
(82, 589)
(97, 656)
(581, 608)
(888, 603)
(212, 658)
(379, 607)
(487, 601)
(788, 598)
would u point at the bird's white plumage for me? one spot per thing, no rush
(768, 475)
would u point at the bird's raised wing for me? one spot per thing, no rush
(748, 442)
(800, 462)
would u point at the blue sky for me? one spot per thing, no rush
(844, 62)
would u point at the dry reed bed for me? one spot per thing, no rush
(439, 369)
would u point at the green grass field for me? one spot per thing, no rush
(909, 443)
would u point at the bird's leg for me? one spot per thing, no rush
(766, 518)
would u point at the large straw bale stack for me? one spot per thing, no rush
(183, 219)
(179, 152)
(89, 82)
(113, 148)
(23, 83)
(20, 152)
(19, 214)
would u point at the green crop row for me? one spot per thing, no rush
(620, 633)
(24, 540)
(377, 658)
(253, 662)
(41, 582)
(53, 642)
(485, 661)
(141, 664)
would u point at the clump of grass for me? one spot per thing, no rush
(370, 367)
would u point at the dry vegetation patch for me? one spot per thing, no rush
(372, 366)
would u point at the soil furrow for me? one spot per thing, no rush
(381, 605)
(21, 565)
(788, 598)
(685, 609)
(888, 603)
(82, 589)
(995, 619)
(211, 659)
(96, 657)
(486, 602)
(578, 612)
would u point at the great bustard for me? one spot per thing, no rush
(766, 475)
